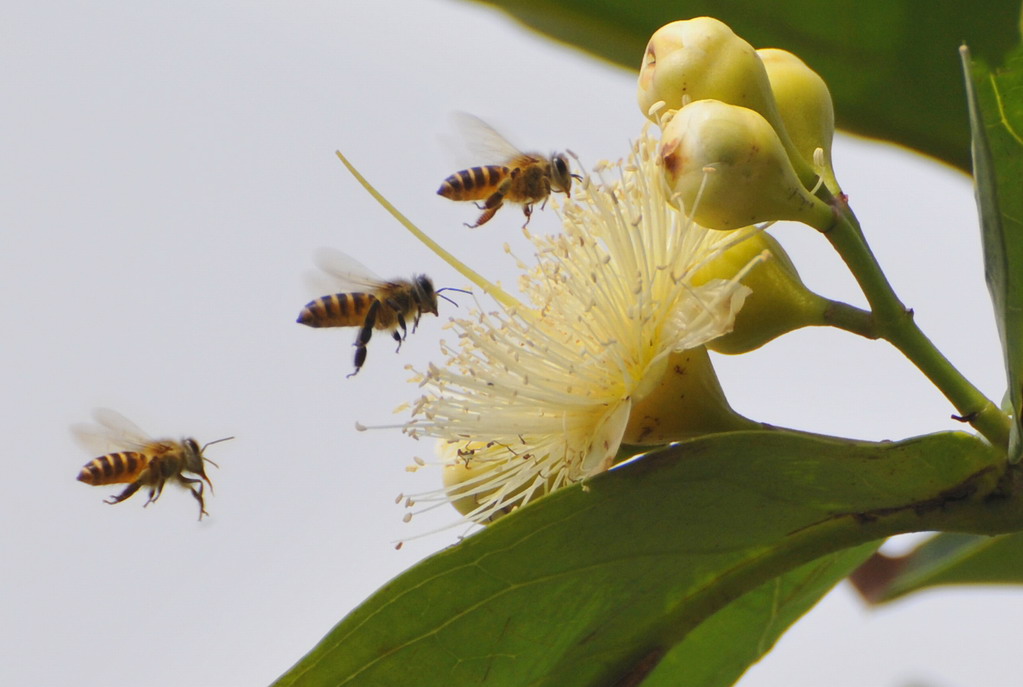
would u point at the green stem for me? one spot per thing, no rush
(849, 318)
(894, 322)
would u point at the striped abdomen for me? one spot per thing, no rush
(476, 183)
(114, 468)
(337, 310)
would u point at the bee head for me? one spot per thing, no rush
(195, 460)
(426, 295)
(561, 175)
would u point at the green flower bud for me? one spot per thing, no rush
(702, 59)
(483, 490)
(459, 475)
(804, 103)
(779, 302)
(727, 167)
(699, 59)
(686, 402)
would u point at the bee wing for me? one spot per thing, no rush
(112, 432)
(484, 143)
(341, 273)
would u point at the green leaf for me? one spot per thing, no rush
(952, 558)
(596, 582)
(996, 115)
(721, 649)
(891, 65)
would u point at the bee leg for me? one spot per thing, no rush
(360, 360)
(404, 330)
(364, 335)
(154, 493)
(196, 492)
(494, 202)
(497, 197)
(527, 210)
(127, 493)
(396, 307)
(546, 192)
(485, 217)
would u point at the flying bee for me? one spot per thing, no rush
(363, 300)
(525, 178)
(140, 461)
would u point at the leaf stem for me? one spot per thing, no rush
(893, 322)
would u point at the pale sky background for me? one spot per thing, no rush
(167, 172)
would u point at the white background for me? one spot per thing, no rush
(167, 172)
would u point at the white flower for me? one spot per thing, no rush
(535, 397)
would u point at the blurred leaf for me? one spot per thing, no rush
(954, 558)
(596, 582)
(892, 65)
(996, 116)
(720, 649)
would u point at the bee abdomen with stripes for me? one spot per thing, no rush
(113, 468)
(337, 310)
(476, 183)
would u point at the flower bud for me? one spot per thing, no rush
(702, 59)
(686, 402)
(728, 169)
(779, 302)
(484, 487)
(699, 59)
(459, 477)
(804, 103)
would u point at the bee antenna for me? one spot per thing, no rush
(206, 445)
(577, 176)
(451, 288)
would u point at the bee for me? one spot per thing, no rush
(140, 461)
(525, 178)
(363, 300)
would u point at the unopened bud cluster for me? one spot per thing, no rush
(746, 134)
(745, 139)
